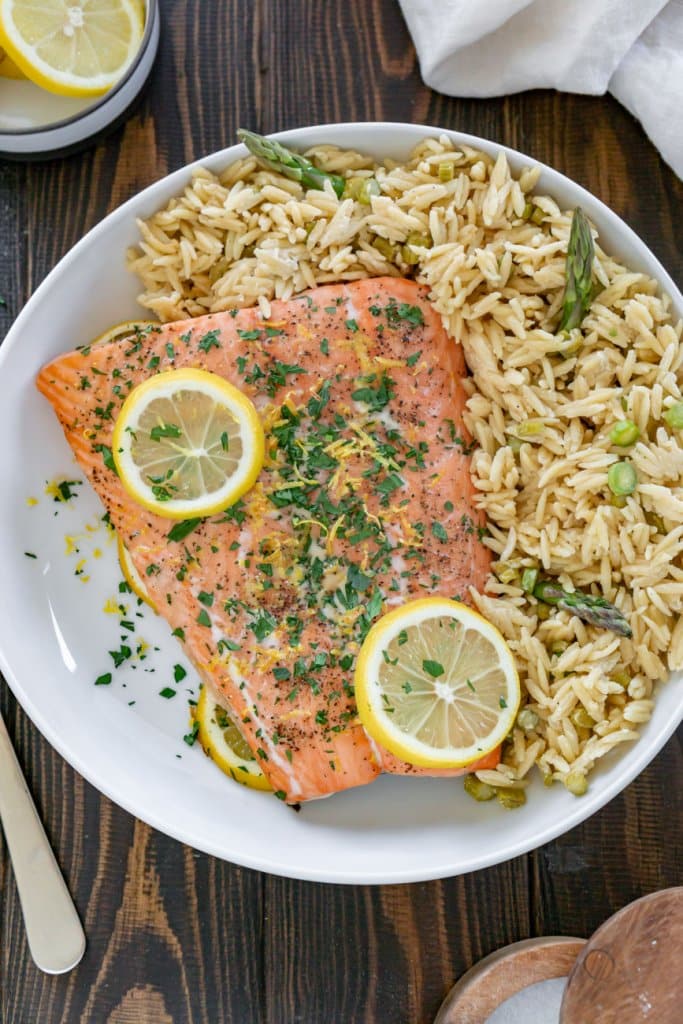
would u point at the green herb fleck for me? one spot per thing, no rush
(181, 529)
(165, 430)
(433, 668)
(439, 531)
(209, 341)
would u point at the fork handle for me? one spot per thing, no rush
(55, 936)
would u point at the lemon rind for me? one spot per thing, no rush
(246, 773)
(250, 424)
(42, 74)
(368, 691)
(127, 565)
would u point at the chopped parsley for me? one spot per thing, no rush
(118, 657)
(209, 341)
(107, 457)
(433, 668)
(65, 490)
(278, 373)
(263, 624)
(376, 398)
(439, 531)
(180, 530)
(165, 430)
(191, 736)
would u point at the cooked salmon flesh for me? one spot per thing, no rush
(364, 502)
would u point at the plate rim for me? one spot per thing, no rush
(263, 861)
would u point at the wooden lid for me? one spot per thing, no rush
(504, 973)
(630, 971)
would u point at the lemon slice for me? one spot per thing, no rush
(124, 330)
(72, 47)
(436, 684)
(8, 69)
(224, 743)
(132, 576)
(187, 444)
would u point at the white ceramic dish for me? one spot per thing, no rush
(54, 636)
(35, 123)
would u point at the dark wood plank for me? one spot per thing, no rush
(174, 935)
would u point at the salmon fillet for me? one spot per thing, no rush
(365, 501)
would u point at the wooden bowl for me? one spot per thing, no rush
(504, 973)
(631, 969)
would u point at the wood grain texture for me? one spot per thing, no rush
(630, 969)
(175, 936)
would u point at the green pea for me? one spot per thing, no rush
(581, 719)
(478, 790)
(529, 580)
(527, 719)
(385, 247)
(369, 188)
(422, 240)
(621, 677)
(622, 478)
(529, 428)
(361, 189)
(624, 433)
(510, 798)
(409, 255)
(674, 416)
(576, 783)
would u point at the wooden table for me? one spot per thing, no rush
(177, 937)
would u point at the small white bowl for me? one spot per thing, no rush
(54, 638)
(35, 123)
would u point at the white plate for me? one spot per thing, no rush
(54, 635)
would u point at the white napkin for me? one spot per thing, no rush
(634, 48)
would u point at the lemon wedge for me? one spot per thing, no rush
(187, 444)
(72, 47)
(132, 576)
(124, 330)
(436, 684)
(8, 69)
(223, 742)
